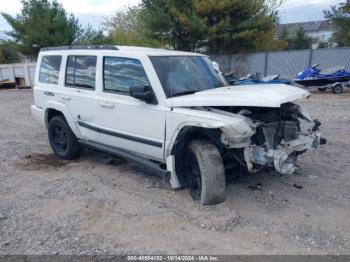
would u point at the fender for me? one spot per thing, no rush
(66, 113)
(236, 130)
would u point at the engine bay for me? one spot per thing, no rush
(281, 134)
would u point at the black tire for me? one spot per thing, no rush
(322, 89)
(205, 172)
(337, 89)
(63, 142)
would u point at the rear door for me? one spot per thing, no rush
(79, 91)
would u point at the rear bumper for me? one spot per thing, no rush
(39, 114)
(282, 158)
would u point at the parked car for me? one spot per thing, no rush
(171, 112)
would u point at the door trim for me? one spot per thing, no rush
(120, 135)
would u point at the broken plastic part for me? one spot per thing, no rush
(316, 126)
(281, 158)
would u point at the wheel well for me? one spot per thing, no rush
(51, 113)
(186, 135)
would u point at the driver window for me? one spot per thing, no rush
(119, 74)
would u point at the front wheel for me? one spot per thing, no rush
(62, 140)
(205, 172)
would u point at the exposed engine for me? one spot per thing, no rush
(278, 139)
(272, 124)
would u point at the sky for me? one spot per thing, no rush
(304, 10)
(93, 11)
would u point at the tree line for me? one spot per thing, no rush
(210, 26)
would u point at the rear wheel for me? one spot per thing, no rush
(205, 172)
(337, 89)
(62, 140)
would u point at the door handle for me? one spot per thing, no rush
(65, 97)
(106, 105)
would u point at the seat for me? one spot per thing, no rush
(332, 70)
(270, 78)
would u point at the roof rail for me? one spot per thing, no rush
(80, 47)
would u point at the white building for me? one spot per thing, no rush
(319, 31)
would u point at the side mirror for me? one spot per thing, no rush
(143, 93)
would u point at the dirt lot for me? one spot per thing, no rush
(103, 205)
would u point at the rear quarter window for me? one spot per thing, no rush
(50, 69)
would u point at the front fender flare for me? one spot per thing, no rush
(230, 135)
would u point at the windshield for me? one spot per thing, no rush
(181, 75)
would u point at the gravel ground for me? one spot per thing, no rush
(103, 205)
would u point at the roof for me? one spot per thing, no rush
(308, 27)
(133, 49)
(79, 47)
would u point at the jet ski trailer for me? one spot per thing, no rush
(335, 78)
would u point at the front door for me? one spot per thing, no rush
(123, 121)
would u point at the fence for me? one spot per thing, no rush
(285, 63)
(24, 70)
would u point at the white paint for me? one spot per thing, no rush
(264, 95)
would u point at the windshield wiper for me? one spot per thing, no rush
(187, 92)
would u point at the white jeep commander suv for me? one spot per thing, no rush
(170, 111)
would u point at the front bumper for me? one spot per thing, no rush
(283, 157)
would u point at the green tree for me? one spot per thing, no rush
(7, 53)
(284, 35)
(295, 41)
(268, 42)
(219, 25)
(42, 23)
(125, 27)
(91, 36)
(323, 45)
(174, 22)
(300, 40)
(283, 39)
(340, 17)
(235, 25)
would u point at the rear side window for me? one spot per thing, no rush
(81, 71)
(119, 74)
(50, 69)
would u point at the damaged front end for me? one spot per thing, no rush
(283, 156)
(281, 135)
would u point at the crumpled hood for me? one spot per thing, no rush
(262, 95)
